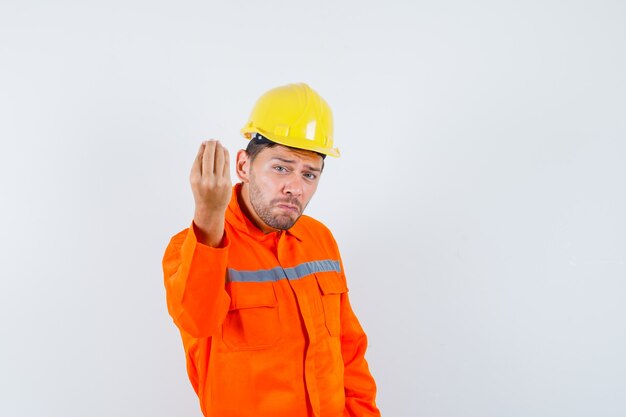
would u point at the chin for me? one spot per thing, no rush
(284, 222)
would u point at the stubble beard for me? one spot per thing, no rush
(264, 211)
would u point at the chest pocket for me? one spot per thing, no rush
(331, 287)
(252, 322)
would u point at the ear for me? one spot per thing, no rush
(243, 166)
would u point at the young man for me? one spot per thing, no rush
(256, 288)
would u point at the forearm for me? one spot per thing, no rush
(208, 226)
(194, 281)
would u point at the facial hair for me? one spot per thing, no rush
(264, 211)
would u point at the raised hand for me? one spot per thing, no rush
(212, 188)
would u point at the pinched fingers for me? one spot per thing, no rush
(220, 166)
(212, 159)
(210, 179)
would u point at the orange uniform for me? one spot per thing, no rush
(266, 323)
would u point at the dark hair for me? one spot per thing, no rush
(259, 142)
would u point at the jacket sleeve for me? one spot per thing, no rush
(195, 276)
(359, 385)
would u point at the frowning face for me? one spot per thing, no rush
(278, 185)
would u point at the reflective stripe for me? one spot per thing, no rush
(278, 273)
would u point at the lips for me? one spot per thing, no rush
(291, 206)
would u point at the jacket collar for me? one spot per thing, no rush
(236, 218)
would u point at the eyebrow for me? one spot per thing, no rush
(291, 161)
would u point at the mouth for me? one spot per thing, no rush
(289, 208)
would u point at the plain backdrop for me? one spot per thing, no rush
(479, 201)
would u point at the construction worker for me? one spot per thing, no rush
(256, 288)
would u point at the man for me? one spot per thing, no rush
(255, 287)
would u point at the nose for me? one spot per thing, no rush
(294, 186)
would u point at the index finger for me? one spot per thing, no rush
(196, 168)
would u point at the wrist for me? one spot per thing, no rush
(209, 228)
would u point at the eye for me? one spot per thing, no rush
(310, 176)
(280, 168)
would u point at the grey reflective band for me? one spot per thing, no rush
(278, 273)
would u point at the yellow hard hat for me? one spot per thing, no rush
(293, 115)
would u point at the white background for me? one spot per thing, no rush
(479, 201)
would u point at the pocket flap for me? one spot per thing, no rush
(331, 283)
(252, 294)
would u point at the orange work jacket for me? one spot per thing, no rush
(266, 323)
